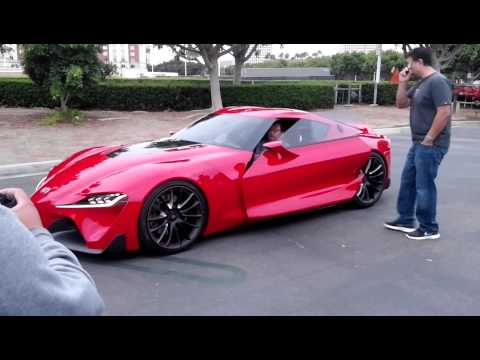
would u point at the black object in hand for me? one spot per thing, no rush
(8, 200)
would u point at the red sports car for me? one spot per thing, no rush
(219, 172)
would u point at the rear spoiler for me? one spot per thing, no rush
(366, 130)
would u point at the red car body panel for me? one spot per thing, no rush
(469, 93)
(236, 190)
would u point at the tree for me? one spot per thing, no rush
(241, 53)
(178, 66)
(390, 59)
(4, 48)
(321, 61)
(445, 54)
(347, 65)
(65, 69)
(363, 65)
(210, 53)
(467, 61)
(107, 70)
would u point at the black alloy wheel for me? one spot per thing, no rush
(173, 218)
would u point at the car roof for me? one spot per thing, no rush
(267, 113)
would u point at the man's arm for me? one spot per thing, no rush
(41, 276)
(442, 99)
(439, 123)
(402, 100)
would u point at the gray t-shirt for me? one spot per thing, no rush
(40, 276)
(425, 97)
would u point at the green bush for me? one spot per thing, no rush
(23, 93)
(303, 97)
(179, 95)
(385, 96)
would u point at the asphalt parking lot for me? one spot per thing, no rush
(335, 261)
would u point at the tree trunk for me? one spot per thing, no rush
(237, 75)
(63, 103)
(436, 64)
(215, 86)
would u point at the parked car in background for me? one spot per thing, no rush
(470, 93)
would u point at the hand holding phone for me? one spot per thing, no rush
(23, 207)
(405, 74)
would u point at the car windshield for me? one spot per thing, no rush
(230, 130)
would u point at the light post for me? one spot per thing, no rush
(147, 51)
(377, 77)
(151, 57)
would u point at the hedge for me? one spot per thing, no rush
(171, 95)
(385, 96)
(304, 97)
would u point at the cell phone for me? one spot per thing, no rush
(8, 200)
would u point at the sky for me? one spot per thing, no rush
(165, 54)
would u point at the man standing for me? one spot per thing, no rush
(430, 123)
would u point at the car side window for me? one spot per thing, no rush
(305, 132)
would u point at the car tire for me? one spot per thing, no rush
(373, 184)
(173, 218)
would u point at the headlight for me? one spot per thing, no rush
(98, 201)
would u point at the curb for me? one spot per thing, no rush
(27, 168)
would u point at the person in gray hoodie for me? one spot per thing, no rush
(38, 275)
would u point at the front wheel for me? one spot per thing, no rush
(173, 218)
(373, 182)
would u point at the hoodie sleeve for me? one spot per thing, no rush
(40, 276)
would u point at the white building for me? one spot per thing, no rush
(9, 60)
(127, 56)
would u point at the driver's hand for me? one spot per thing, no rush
(26, 212)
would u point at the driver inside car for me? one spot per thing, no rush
(273, 134)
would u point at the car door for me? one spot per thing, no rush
(319, 164)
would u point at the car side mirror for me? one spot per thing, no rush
(274, 145)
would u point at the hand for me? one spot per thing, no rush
(428, 140)
(405, 74)
(26, 212)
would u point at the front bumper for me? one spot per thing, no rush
(65, 232)
(93, 231)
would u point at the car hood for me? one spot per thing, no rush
(80, 173)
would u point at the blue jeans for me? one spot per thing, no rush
(418, 193)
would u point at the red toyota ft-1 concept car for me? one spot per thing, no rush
(219, 172)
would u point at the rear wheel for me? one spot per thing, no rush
(373, 182)
(173, 218)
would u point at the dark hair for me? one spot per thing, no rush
(424, 53)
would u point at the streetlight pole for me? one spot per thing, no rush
(151, 57)
(377, 77)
